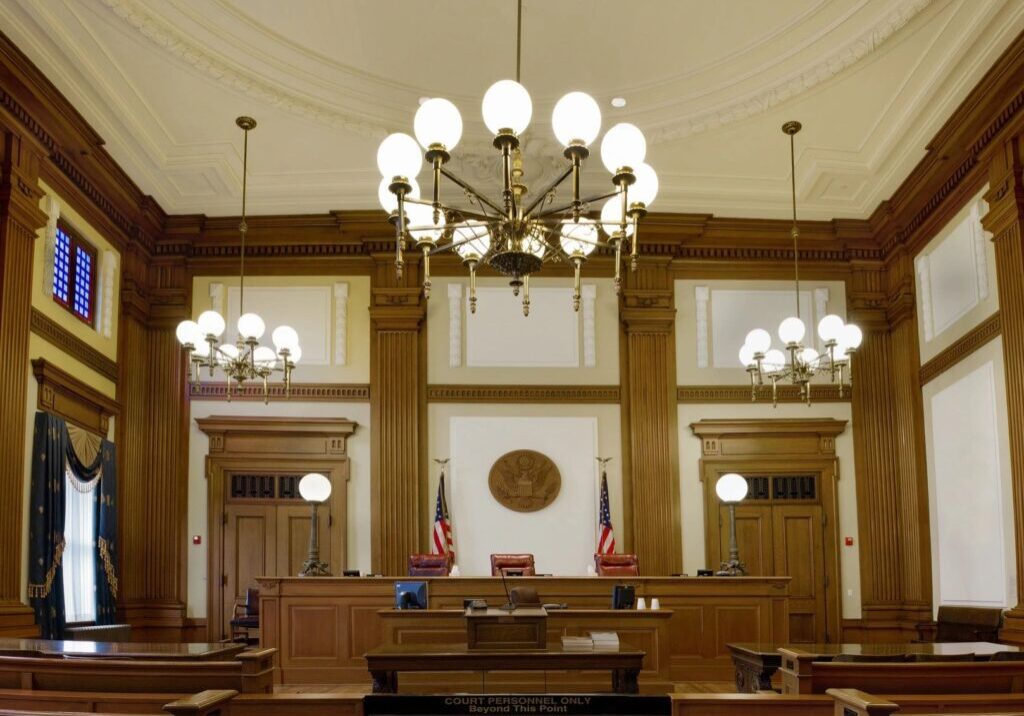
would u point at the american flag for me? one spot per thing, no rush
(442, 543)
(606, 538)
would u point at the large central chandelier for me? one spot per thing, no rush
(841, 340)
(245, 360)
(511, 234)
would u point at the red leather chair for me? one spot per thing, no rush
(512, 563)
(617, 565)
(430, 565)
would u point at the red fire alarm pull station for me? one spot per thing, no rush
(849, 541)
(198, 539)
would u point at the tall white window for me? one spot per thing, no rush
(79, 562)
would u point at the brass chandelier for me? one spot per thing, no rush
(244, 360)
(512, 235)
(803, 363)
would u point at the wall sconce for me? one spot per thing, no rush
(731, 488)
(314, 489)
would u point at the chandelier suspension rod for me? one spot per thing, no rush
(242, 226)
(519, 39)
(794, 231)
(468, 187)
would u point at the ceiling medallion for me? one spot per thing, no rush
(514, 235)
(524, 480)
(841, 340)
(244, 360)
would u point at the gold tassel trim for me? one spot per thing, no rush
(108, 566)
(41, 591)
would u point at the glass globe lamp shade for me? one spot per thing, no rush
(792, 330)
(747, 356)
(645, 188)
(264, 357)
(188, 332)
(228, 353)
(284, 337)
(852, 336)
(774, 361)
(211, 323)
(507, 105)
(399, 156)
(251, 326)
(623, 146)
(576, 119)
(422, 216)
(830, 327)
(611, 217)
(808, 356)
(388, 200)
(578, 237)
(295, 353)
(759, 340)
(315, 487)
(202, 348)
(476, 237)
(731, 487)
(437, 121)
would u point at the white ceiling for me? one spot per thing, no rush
(710, 83)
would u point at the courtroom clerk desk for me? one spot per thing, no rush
(163, 651)
(322, 626)
(645, 629)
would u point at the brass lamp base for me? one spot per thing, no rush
(314, 568)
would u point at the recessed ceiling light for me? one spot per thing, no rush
(618, 101)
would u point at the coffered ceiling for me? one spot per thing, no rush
(710, 83)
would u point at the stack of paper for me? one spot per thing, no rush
(577, 643)
(605, 640)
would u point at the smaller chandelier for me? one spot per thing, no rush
(244, 360)
(509, 233)
(841, 340)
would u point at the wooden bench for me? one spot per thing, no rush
(205, 703)
(836, 700)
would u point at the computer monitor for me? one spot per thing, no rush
(410, 595)
(512, 571)
(623, 596)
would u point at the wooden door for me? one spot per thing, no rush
(799, 552)
(293, 538)
(250, 551)
(753, 537)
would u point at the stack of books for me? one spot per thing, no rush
(577, 643)
(605, 640)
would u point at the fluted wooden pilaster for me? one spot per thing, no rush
(397, 405)
(20, 217)
(648, 377)
(1005, 220)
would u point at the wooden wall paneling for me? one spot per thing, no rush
(20, 218)
(1005, 220)
(964, 346)
(650, 416)
(397, 414)
(71, 399)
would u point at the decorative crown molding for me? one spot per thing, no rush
(300, 392)
(52, 332)
(523, 394)
(823, 393)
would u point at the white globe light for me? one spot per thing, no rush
(477, 240)
(830, 327)
(251, 326)
(315, 487)
(294, 353)
(438, 121)
(399, 156)
(264, 357)
(774, 361)
(578, 237)
(422, 216)
(189, 332)
(202, 348)
(791, 330)
(645, 188)
(211, 323)
(731, 487)
(808, 356)
(388, 200)
(852, 336)
(507, 105)
(611, 217)
(623, 146)
(747, 356)
(284, 337)
(228, 353)
(759, 340)
(576, 118)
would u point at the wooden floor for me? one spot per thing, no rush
(681, 687)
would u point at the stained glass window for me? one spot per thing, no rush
(74, 274)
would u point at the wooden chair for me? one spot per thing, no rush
(617, 565)
(933, 658)
(247, 617)
(963, 624)
(513, 564)
(430, 565)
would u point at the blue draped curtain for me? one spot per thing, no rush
(52, 455)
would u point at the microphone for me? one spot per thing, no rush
(508, 606)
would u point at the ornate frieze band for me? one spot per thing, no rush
(300, 392)
(825, 393)
(522, 394)
(965, 346)
(51, 331)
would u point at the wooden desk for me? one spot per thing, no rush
(385, 662)
(163, 651)
(322, 627)
(521, 628)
